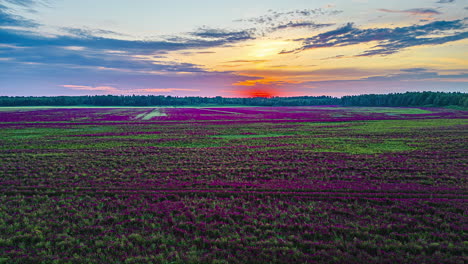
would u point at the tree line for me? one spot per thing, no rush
(408, 99)
(429, 99)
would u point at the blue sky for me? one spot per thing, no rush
(232, 48)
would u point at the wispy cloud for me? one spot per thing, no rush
(340, 56)
(90, 88)
(224, 35)
(273, 17)
(416, 79)
(162, 90)
(246, 61)
(415, 11)
(445, 1)
(9, 19)
(88, 39)
(114, 90)
(390, 40)
(190, 53)
(80, 56)
(28, 5)
(412, 74)
(87, 32)
(414, 70)
(303, 24)
(24, 3)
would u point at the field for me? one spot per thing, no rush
(233, 185)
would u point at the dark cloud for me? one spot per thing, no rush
(445, 1)
(390, 40)
(414, 70)
(306, 24)
(223, 34)
(29, 39)
(88, 39)
(340, 31)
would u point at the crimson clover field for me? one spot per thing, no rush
(233, 185)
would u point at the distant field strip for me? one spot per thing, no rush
(221, 111)
(149, 115)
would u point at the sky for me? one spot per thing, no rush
(239, 48)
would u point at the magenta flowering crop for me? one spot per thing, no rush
(233, 185)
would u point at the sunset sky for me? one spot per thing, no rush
(232, 48)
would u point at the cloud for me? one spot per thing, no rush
(88, 39)
(313, 73)
(273, 16)
(417, 79)
(224, 35)
(86, 32)
(414, 70)
(414, 11)
(247, 61)
(390, 40)
(340, 56)
(9, 19)
(304, 24)
(191, 53)
(161, 90)
(24, 3)
(445, 1)
(94, 71)
(30, 58)
(114, 90)
(416, 74)
(27, 5)
(90, 88)
(265, 81)
(79, 56)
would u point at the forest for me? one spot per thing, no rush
(423, 99)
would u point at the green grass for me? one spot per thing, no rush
(42, 132)
(360, 146)
(384, 136)
(384, 110)
(385, 126)
(248, 136)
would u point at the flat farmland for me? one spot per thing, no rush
(233, 185)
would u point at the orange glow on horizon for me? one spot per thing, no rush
(258, 92)
(264, 88)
